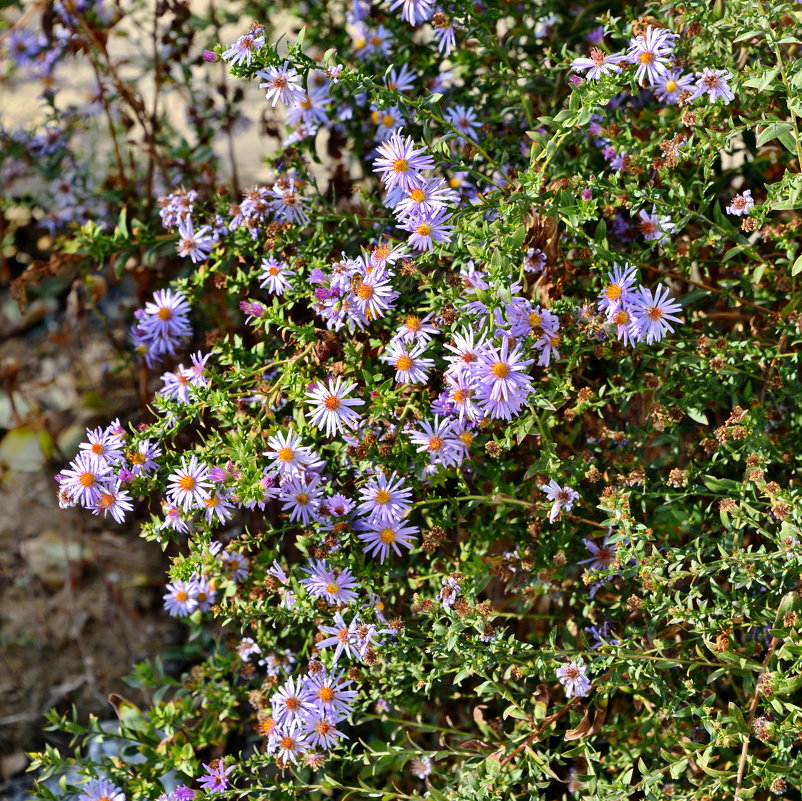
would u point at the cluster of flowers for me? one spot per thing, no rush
(652, 52)
(95, 478)
(637, 313)
(419, 202)
(161, 326)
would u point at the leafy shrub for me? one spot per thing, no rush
(483, 475)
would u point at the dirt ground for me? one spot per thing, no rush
(80, 597)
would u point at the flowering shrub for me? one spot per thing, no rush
(484, 479)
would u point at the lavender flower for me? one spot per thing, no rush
(574, 678)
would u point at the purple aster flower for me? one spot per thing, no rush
(331, 408)
(288, 455)
(464, 120)
(449, 592)
(275, 276)
(654, 227)
(535, 261)
(438, 441)
(333, 585)
(216, 778)
(739, 205)
(651, 52)
(164, 319)
(234, 563)
(574, 678)
(188, 486)
(203, 592)
(421, 767)
(432, 194)
(385, 499)
(291, 702)
(410, 366)
(416, 329)
(561, 497)
(113, 501)
(601, 556)
(670, 85)
(461, 394)
(444, 33)
(321, 731)
(184, 793)
(504, 384)
(218, 505)
(652, 311)
(379, 538)
(400, 163)
(288, 203)
(375, 294)
(466, 352)
(86, 478)
(330, 696)
(282, 84)
(290, 742)
(103, 443)
(101, 790)
(599, 63)
(414, 11)
(242, 50)
(301, 498)
(143, 457)
(618, 290)
(596, 36)
(622, 320)
(247, 648)
(342, 635)
(179, 600)
(195, 244)
(400, 80)
(715, 84)
(428, 228)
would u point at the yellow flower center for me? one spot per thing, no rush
(87, 480)
(500, 370)
(400, 165)
(364, 291)
(387, 120)
(325, 694)
(417, 195)
(424, 229)
(613, 292)
(403, 363)
(622, 318)
(286, 455)
(302, 498)
(671, 86)
(467, 438)
(181, 596)
(382, 497)
(413, 323)
(387, 535)
(435, 444)
(164, 313)
(187, 483)
(647, 57)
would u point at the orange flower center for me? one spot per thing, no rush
(403, 363)
(424, 229)
(500, 370)
(164, 313)
(400, 165)
(187, 483)
(331, 403)
(286, 455)
(87, 480)
(325, 694)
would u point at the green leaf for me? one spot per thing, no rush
(797, 267)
